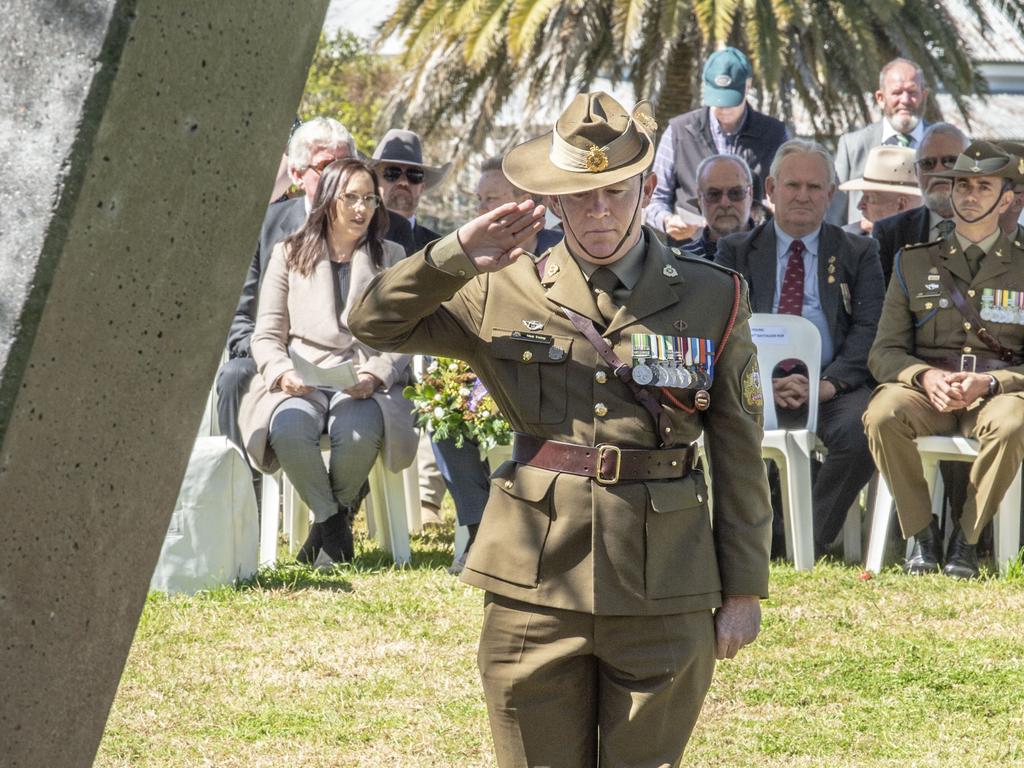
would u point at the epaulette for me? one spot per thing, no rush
(684, 256)
(925, 244)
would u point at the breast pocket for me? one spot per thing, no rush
(540, 372)
(680, 546)
(510, 543)
(926, 320)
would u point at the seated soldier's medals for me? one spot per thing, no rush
(987, 304)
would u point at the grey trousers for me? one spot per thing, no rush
(356, 429)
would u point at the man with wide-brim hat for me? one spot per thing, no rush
(888, 186)
(608, 591)
(950, 358)
(404, 177)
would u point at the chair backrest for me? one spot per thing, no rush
(784, 337)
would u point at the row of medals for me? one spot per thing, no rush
(671, 361)
(1002, 306)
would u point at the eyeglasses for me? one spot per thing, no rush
(351, 200)
(927, 164)
(735, 194)
(394, 173)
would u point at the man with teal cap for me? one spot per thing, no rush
(726, 124)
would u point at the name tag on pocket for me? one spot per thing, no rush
(534, 338)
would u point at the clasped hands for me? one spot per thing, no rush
(492, 240)
(953, 391)
(291, 384)
(792, 391)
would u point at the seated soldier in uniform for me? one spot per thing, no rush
(609, 593)
(950, 356)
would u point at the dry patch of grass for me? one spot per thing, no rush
(372, 666)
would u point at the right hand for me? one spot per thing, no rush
(291, 384)
(791, 391)
(492, 240)
(943, 396)
(678, 229)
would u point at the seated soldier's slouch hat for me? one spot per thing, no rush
(595, 143)
(982, 158)
(1016, 151)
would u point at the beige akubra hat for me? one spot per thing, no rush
(595, 142)
(887, 169)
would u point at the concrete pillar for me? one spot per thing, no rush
(139, 141)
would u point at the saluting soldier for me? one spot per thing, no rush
(608, 591)
(950, 354)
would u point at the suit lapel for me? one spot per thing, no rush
(830, 246)
(566, 286)
(995, 262)
(924, 219)
(762, 265)
(653, 291)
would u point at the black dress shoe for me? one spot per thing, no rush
(336, 536)
(927, 549)
(962, 559)
(311, 546)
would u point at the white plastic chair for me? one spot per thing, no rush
(386, 516)
(778, 338)
(933, 449)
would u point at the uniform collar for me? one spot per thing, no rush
(627, 269)
(985, 244)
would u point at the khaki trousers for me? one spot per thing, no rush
(573, 690)
(897, 414)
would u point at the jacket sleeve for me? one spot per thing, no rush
(244, 320)
(430, 303)
(726, 254)
(663, 199)
(892, 355)
(867, 294)
(732, 439)
(273, 325)
(389, 367)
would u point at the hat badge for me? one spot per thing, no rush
(596, 159)
(723, 81)
(1020, 167)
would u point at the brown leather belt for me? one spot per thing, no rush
(971, 363)
(607, 464)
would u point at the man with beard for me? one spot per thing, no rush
(938, 150)
(950, 356)
(902, 95)
(724, 191)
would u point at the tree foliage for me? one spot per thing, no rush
(349, 82)
(470, 57)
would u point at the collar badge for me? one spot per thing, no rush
(670, 271)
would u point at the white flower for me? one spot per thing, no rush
(463, 392)
(483, 414)
(439, 412)
(437, 397)
(453, 367)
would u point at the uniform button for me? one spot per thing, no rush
(967, 326)
(462, 273)
(927, 305)
(971, 292)
(600, 409)
(600, 377)
(967, 350)
(508, 484)
(527, 356)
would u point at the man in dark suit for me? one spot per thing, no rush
(902, 95)
(725, 125)
(797, 264)
(312, 147)
(937, 152)
(404, 178)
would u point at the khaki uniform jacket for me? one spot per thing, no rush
(919, 319)
(301, 311)
(562, 540)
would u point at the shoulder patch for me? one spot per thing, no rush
(753, 397)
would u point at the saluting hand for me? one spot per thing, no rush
(737, 624)
(492, 240)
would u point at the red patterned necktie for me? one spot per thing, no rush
(791, 297)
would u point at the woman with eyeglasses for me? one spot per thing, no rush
(312, 279)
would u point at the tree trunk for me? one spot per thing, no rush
(680, 93)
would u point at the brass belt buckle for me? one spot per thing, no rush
(601, 451)
(969, 360)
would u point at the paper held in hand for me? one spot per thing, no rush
(341, 376)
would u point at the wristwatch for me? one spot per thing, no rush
(993, 385)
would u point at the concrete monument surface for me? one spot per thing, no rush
(138, 145)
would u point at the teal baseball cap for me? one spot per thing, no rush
(725, 78)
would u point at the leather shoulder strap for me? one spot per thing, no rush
(967, 309)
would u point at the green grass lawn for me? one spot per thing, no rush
(373, 666)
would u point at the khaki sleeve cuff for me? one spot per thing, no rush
(447, 255)
(909, 374)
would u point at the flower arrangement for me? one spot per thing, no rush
(454, 405)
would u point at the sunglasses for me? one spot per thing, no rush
(394, 173)
(928, 164)
(735, 194)
(351, 200)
